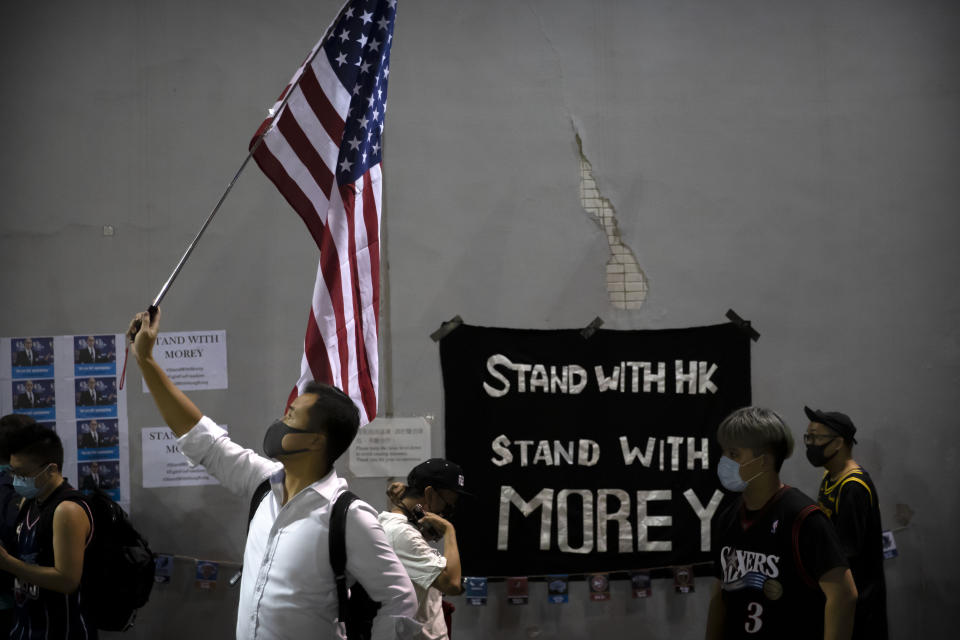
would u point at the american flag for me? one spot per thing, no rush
(322, 147)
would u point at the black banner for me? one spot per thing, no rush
(588, 455)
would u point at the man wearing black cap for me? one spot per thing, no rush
(848, 497)
(419, 512)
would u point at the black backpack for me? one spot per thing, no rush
(356, 609)
(118, 568)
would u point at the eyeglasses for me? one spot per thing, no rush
(448, 508)
(817, 438)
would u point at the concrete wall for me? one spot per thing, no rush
(794, 161)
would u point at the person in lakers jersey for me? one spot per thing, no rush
(849, 498)
(782, 573)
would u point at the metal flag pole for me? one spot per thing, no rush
(183, 260)
(276, 112)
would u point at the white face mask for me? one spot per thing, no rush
(729, 473)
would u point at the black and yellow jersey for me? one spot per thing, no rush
(851, 503)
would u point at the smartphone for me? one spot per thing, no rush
(425, 529)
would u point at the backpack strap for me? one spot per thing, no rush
(258, 494)
(797, 523)
(338, 550)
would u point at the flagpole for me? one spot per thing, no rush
(183, 260)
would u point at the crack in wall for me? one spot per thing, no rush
(627, 284)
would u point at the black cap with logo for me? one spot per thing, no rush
(839, 422)
(439, 474)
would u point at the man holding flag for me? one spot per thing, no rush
(321, 146)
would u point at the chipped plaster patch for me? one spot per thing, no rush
(626, 282)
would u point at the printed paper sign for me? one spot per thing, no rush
(193, 359)
(164, 465)
(69, 384)
(390, 447)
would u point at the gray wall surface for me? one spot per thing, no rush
(796, 161)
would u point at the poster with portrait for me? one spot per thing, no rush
(69, 384)
(94, 355)
(31, 357)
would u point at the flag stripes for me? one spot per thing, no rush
(322, 148)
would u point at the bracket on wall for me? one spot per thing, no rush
(446, 328)
(743, 325)
(588, 331)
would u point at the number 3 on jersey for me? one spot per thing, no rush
(754, 623)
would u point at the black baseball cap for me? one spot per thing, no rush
(839, 422)
(437, 473)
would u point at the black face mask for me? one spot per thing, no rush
(273, 440)
(816, 455)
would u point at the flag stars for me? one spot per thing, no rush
(365, 67)
(344, 35)
(386, 72)
(383, 23)
(356, 89)
(363, 122)
(345, 165)
(370, 101)
(362, 40)
(349, 13)
(354, 144)
(376, 115)
(374, 45)
(342, 58)
(376, 147)
(367, 17)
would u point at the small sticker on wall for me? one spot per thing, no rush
(518, 590)
(600, 586)
(207, 573)
(476, 590)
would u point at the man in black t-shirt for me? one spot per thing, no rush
(781, 571)
(849, 498)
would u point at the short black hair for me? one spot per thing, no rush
(335, 415)
(36, 442)
(8, 424)
(759, 429)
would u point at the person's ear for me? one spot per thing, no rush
(318, 442)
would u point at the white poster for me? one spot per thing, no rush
(193, 359)
(70, 384)
(390, 447)
(164, 465)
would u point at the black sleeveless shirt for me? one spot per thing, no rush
(769, 565)
(42, 613)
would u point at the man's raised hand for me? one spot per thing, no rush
(143, 333)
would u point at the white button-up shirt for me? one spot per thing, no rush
(288, 589)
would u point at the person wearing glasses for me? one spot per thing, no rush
(419, 515)
(849, 498)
